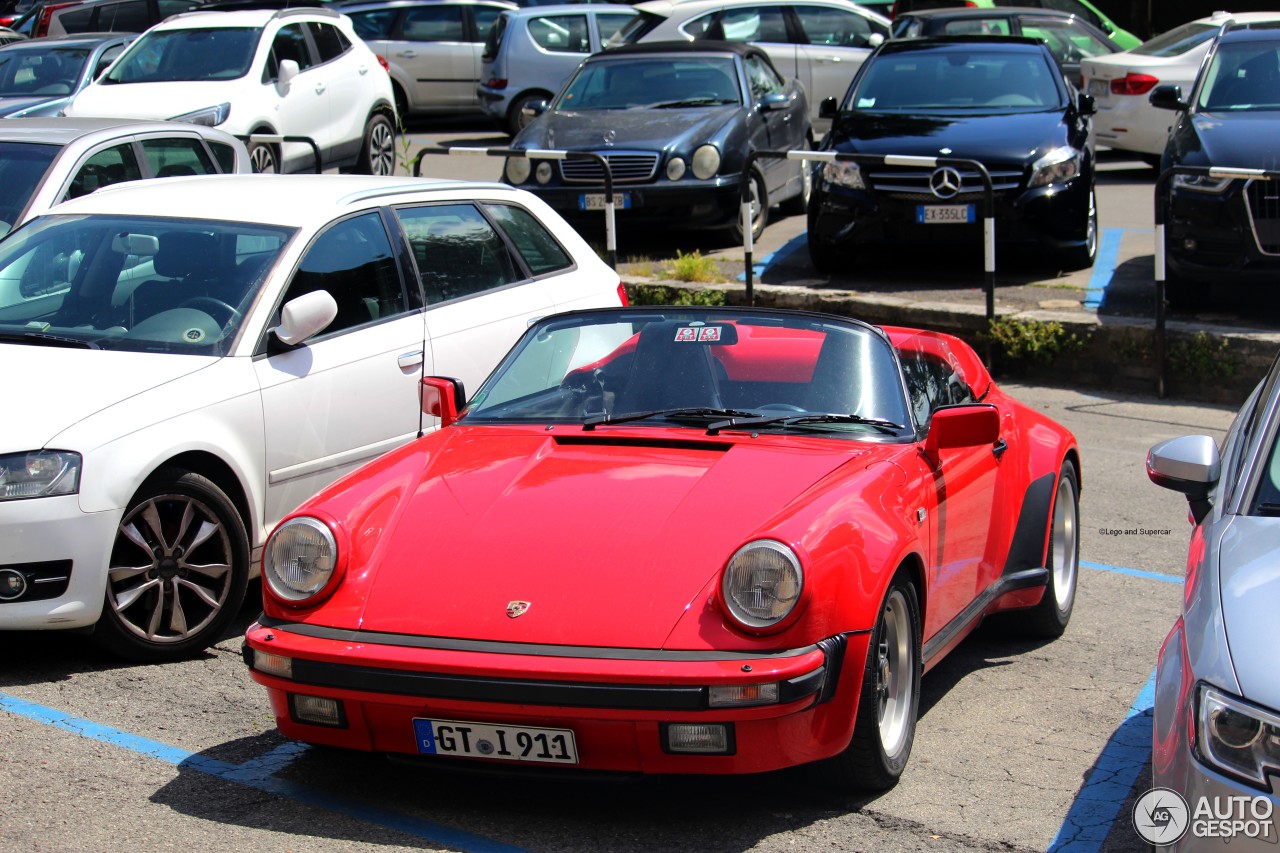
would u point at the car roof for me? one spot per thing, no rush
(1009, 44)
(70, 39)
(241, 17)
(365, 5)
(1251, 31)
(984, 12)
(289, 200)
(667, 8)
(561, 8)
(683, 46)
(62, 130)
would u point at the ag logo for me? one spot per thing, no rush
(1161, 816)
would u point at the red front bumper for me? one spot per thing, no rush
(615, 702)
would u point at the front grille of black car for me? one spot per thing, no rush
(627, 167)
(1262, 198)
(912, 184)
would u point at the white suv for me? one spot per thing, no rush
(188, 359)
(301, 74)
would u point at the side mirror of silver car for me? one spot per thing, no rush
(1189, 464)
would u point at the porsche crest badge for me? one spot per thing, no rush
(518, 608)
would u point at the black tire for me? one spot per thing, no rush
(1049, 618)
(516, 121)
(825, 257)
(178, 570)
(402, 103)
(889, 701)
(1082, 257)
(378, 151)
(264, 158)
(759, 207)
(799, 205)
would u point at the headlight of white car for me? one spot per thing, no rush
(300, 559)
(1238, 737)
(1201, 183)
(706, 162)
(209, 116)
(762, 583)
(1060, 164)
(843, 173)
(518, 169)
(39, 474)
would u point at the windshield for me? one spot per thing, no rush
(652, 83)
(1243, 75)
(1178, 40)
(133, 283)
(22, 167)
(49, 73)
(709, 368)
(961, 80)
(221, 53)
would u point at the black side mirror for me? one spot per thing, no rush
(828, 108)
(1168, 97)
(1086, 104)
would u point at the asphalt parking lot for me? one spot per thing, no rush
(1021, 746)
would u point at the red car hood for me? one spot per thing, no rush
(607, 536)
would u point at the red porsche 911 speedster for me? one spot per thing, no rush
(673, 540)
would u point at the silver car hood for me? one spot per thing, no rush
(1249, 569)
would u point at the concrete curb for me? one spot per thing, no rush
(1204, 362)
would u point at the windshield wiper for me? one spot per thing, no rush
(690, 413)
(881, 424)
(46, 340)
(692, 102)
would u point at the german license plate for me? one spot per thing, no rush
(595, 201)
(933, 214)
(504, 743)
(1099, 88)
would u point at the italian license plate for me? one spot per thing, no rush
(504, 743)
(933, 214)
(1099, 88)
(595, 201)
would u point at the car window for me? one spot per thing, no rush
(457, 251)
(108, 56)
(1242, 76)
(330, 41)
(762, 77)
(208, 53)
(951, 80)
(109, 166)
(290, 43)
(1076, 8)
(224, 154)
(493, 39)
(933, 375)
(610, 24)
(561, 33)
(24, 73)
(177, 156)
(353, 261)
(1178, 40)
(374, 25)
(540, 250)
(485, 17)
(22, 167)
(434, 23)
(130, 16)
(751, 23)
(977, 26)
(837, 27)
(1067, 42)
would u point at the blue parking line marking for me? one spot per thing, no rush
(1104, 267)
(257, 774)
(1094, 811)
(758, 268)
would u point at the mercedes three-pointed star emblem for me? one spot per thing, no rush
(945, 182)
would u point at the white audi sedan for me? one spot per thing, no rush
(181, 375)
(1121, 83)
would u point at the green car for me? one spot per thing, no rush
(1082, 8)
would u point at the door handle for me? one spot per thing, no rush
(407, 54)
(999, 448)
(409, 359)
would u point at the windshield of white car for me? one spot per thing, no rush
(34, 73)
(205, 53)
(957, 80)
(652, 82)
(22, 166)
(693, 368)
(138, 284)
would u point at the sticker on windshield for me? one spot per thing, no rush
(703, 334)
(866, 103)
(193, 336)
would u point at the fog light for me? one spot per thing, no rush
(737, 695)
(12, 585)
(317, 710)
(277, 665)
(543, 172)
(706, 738)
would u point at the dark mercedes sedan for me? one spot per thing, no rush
(1231, 120)
(676, 122)
(998, 100)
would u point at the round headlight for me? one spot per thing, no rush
(518, 169)
(762, 583)
(543, 172)
(706, 162)
(300, 558)
(675, 168)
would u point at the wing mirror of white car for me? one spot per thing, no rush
(1189, 464)
(875, 40)
(288, 70)
(305, 316)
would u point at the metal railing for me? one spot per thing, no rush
(610, 228)
(278, 139)
(1162, 200)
